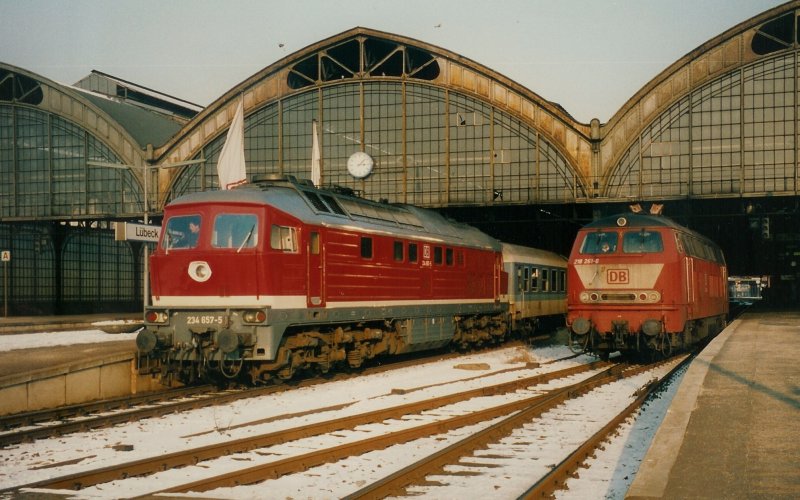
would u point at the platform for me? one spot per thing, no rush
(110, 322)
(46, 377)
(733, 427)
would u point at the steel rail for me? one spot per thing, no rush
(16, 420)
(558, 476)
(396, 483)
(190, 457)
(303, 462)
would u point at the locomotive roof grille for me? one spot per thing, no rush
(335, 208)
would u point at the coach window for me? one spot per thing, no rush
(642, 242)
(562, 281)
(235, 231)
(366, 247)
(599, 243)
(535, 279)
(448, 256)
(283, 238)
(526, 278)
(437, 256)
(398, 251)
(545, 280)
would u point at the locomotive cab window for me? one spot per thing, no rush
(599, 243)
(235, 231)
(437, 256)
(642, 242)
(182, 231)
(283, 238)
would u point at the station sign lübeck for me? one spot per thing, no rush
(136, 232)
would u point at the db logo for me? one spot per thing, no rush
(617, 276)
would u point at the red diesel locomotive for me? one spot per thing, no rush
(278, 276)
(642, 283)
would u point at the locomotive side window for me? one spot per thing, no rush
(412, 252)
(313, 243)
(366, 247)
(448, 256)
(283, 238)
(642, 242)
(398, 251)
(599, 243)
(182, 232)
(437, 256)
(236, 231)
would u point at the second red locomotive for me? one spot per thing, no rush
(642, 283)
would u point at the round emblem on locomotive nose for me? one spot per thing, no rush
(199, 271)
(622, 221)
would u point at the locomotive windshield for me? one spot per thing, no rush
(235, 231)
(642, 242)
(599, 243)
(181, 232)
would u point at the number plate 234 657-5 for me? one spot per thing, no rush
(204, 319)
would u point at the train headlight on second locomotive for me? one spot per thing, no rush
(581, 326)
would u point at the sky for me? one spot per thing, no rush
(589, 56)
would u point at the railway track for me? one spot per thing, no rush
(41, 424)
(227, 447)
(524, 395)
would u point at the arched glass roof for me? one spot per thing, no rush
(441, 129)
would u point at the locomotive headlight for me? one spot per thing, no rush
(584, 296)
(581, 326)
(199, 271)
(153, 316)
(256, 316)
(651, 327)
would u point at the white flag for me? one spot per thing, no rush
(230, 166)
(316, 175)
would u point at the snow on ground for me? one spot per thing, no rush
(16, 341)
(35, 461)
(48, 458)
